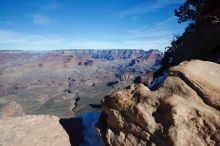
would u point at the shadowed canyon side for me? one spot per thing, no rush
(183, 111)
(70, 82)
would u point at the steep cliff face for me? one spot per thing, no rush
(183, 111)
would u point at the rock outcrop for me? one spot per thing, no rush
(40, 130)
(183, 111)
(12, 109)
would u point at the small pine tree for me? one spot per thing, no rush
(199, 12)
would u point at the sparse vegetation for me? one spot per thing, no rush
(199, 14)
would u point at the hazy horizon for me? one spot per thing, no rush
(85, 49)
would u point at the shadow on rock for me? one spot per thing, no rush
(81, 129)
(74, 128)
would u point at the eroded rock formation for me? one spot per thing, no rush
(183, 111)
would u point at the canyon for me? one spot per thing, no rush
(50, 94)
(110, 97)
(67, 83)
(183, 109)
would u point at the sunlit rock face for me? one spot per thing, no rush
(46, 130)
(183, 111)
(40, 130)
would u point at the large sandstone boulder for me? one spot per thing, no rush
(40, 130)
(202, 76)
(184, 111)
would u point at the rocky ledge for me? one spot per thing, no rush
(184, 111)
(35, 130)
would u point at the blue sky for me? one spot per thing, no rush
(79, 24)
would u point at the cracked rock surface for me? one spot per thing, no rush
(184, 111)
